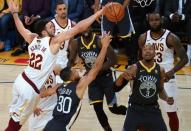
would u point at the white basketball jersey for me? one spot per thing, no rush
(48, 103)
(62, 58)
(164, 55)
(41, 61)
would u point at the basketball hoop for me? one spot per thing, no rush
(144, 3)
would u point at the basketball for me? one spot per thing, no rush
(115, 12)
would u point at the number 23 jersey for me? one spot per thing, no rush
(163, 54)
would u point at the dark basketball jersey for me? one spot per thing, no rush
(146, 85)
(89, 52)
(68, 104)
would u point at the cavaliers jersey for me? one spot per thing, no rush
(62, 57)
(49, 102)
(164, 55)
(41, 61)
(68, 104)
(146, 85)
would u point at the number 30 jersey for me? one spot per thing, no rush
(41, 61)
(163, 55)
(68, 104)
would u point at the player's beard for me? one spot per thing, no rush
(63, 16)
(157, 29)
(148, 60)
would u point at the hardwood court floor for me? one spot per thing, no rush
(87, 120)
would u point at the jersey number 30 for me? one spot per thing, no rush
(35, 61)
(64, 104)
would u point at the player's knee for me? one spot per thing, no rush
(119, 110)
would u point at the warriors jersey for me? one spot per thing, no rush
(68, 104)
(62, 58)
(89, 52)
(48, 103)
(41, 61)
(164, 55)
(146, 85)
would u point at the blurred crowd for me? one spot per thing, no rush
(176, 17)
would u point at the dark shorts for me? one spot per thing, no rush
(55, 125)
(148, 116)
(101, 86)
(123, 26)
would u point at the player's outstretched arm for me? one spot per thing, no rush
(78, 28)
(27, 35)
(87, 79)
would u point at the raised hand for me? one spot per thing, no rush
(13, 7)
(106, 39)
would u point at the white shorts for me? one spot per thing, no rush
(24, 100)
(38, 123)
(171, 90)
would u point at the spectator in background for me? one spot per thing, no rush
(178, 18)
(75, 10)
(32, 11)
(6, 25)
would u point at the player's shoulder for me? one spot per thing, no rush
(172, 37)
(143, 35)
(142, 39)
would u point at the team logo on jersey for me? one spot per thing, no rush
(148, 86)
(89, 58)
(147, 89)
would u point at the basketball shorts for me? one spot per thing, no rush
(101, 86)
(125, 26)
(150, 117)
(24, 100)
(171, 90)
(37, 123)
(56, 125)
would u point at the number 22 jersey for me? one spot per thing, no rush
(41, 61)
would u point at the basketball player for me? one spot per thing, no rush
(88, 47)
(61, 24)
(147, 84)
(124, 27)
(166, 44)
(44, 109)
(42, 57)
(72, 91)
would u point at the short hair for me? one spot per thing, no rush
(59, 2)
(40, 25)
(154, 12)
(66, 73)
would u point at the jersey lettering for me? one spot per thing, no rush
(35, 61)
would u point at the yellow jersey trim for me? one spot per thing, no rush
(98, 101)
(125, 36)
(91, 42)
(148, 70)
